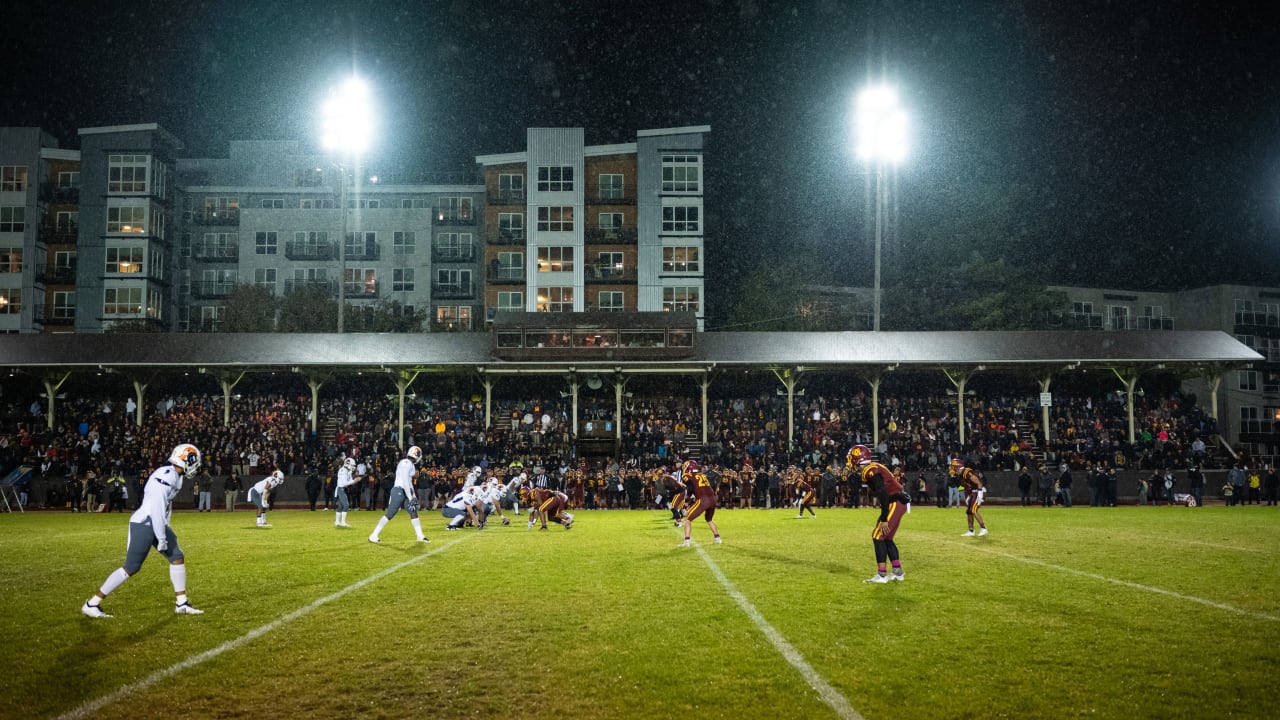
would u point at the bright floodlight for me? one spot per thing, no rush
(881, 125)
(348, 118)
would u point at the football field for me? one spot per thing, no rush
(1129, 612)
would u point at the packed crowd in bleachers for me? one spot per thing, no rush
(273, 430)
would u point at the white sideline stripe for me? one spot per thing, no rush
(829, 695)
(92, 706)
(1124, 583)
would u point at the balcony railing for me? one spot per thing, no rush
(448, 254)
(55, 314)
(212, 288)
(305, 250)
(453, 291)
(610, 196)
(54, 193)
(505, 236)
(225, 216)
(1259, 319)
(215, 253)
(610, 236)
(50, 233)
(369, 250)
(361, 290)
(505, 274)
(507, 197)
(328, 287)
(608, 273)
(453, 218)
(58, 274)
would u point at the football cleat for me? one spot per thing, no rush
(684, 544)
(968, 534)
(424, 539)
(451, 527)
(506, 521)
(717, 540)
(982, 532)
(186, 609)
(373, 539)
(93, 611)
(897, 577)
(877, 579)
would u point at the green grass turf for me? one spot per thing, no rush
(1089, 612)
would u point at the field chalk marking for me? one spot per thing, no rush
(829, 695)
(89, 708)
(1123, 583)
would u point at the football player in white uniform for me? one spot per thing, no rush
(149, 527)
(490, 501)
(261, 491)
(346, 478)
(473, 477)
(513, 490)
(461, 507)
(403, 495)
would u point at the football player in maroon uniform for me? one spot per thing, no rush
(704, 500)
(884, 486)
(974, 492)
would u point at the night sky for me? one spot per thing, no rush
(1132, 144)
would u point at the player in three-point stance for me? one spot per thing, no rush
(259, 493)
(884, 485)
(704, 500)
(550, 505)
(974, 493)
(403, 495)
(149, 527)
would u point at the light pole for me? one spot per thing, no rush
(347, 129)
(881, 128)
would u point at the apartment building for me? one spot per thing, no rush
(274, 216)
(571, 227)
(39, 204)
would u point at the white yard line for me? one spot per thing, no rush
(1122, 583)
(89, 708)
(829, 695)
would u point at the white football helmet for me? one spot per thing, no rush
(414, 454)
(185, 456)
(279, 477)
(349, 463)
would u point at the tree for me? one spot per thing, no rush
(250, 309)
(976, 295)
(308, 307)
(783, 297)
(385, 316)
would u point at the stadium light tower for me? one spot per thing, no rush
(347, 131)
(881, 141)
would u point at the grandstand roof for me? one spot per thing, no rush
(444, 351)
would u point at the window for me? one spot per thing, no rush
(266, 277)
(1248, 380)
(680, 298)
(511, 187)
(127, 174)
(555, 299)
(122, 301)
(454, 209)
(221, 208)
(219, 246)
(511, 226)
(364, 204)
(10, 259)
(266, 243)
(211, 317)
(68, 180)
(272, 203)
(64, 305)
(510, 266)
(67, 221)
(454, 317)
(454, 246)
(511, 301)
(680, 259)
(64, 261)
(609, 265)
(404, 242)
(127, 219)
(304, 276)
(1118, 317)
(458, 281)
(13, 178)
(360, 282)
(316, 203)
(361, 244)
(13, 218)
(416, 203)
(124, 260)
(681, 173)
(555, 178)
(610, 187)
(555, 259)
(555, 219)
(10, 301)
(610, 301)
(610, 221)
(157, 263)
(402, 280)
(681, 219)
